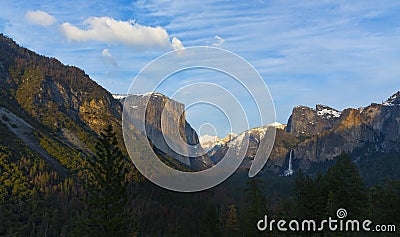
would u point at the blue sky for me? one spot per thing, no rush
(339, 53)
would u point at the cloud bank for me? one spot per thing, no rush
(130, 33)
(40, 18)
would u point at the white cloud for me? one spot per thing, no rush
(40, 18)
(176, 43)
(106, 53)
(219, 42)
(109, 59)
(109, 30)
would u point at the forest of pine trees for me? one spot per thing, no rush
(109, 198)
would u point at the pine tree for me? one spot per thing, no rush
(329, 209)
(232, 222)
(303, 195)
(385, 203)
(108, 212)
(211, 221)
(255, 207)
(309, 196)
(347, 188)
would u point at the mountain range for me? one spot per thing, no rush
(56, 112)
(316, 136)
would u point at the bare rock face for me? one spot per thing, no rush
(375, 128)
(94, 109)
(171, 131)
(306, 121)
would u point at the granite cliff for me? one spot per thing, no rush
(165, 134)
(309, 122)
(375, 128)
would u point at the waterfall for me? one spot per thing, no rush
(289, 171)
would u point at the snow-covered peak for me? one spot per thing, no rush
(153, 94)
(207, 138)
(119, 96)
(277, 125)
(123, 96)
(327, 112)
(208, 142)
(393, 100)
(147, 94)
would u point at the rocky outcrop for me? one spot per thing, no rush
(375, 128)
(306, 121)
(165, 134)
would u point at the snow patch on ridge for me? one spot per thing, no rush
(208, 142)
(119, 96)
(393, 100)
(329, 113)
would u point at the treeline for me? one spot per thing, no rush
(342, 187)
(315, 198)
